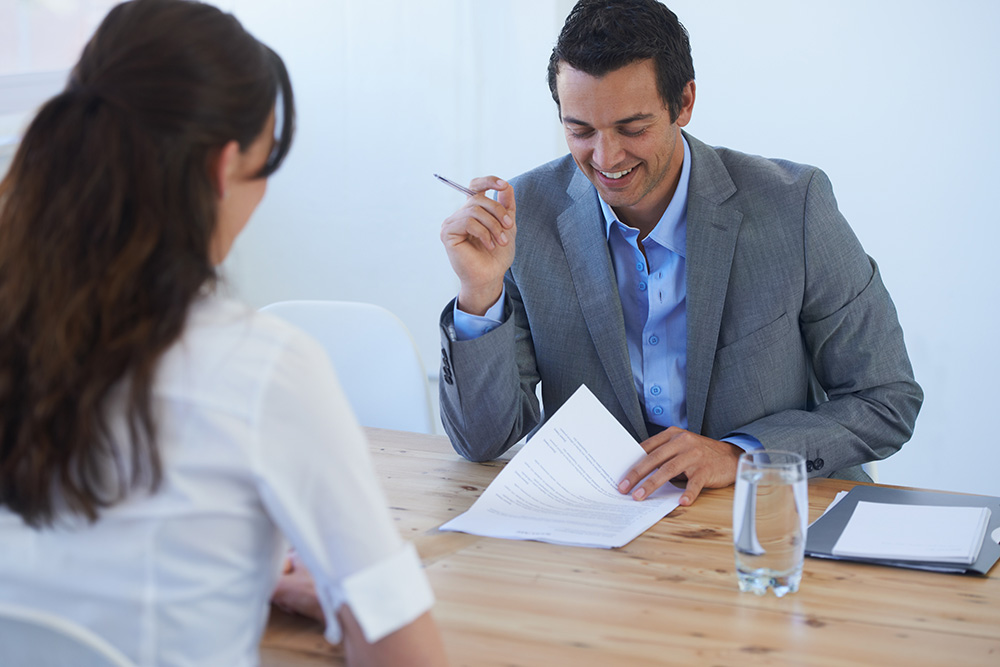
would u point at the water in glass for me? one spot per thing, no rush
(770, 514)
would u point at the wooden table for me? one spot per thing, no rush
(668, 597)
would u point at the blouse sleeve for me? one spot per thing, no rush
(317, 481)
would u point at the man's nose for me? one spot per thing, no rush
(608, 151)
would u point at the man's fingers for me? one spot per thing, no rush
(662, 461)
(505, 196)
(704, 462)
(484, 183)
(504, 207)
(640, 470)
(476, 222)
(485, 226)
(505, 204)
(459, 232)
(692, 491)
(661, 476)
(656, 455)
(495, 210)
(661, 438)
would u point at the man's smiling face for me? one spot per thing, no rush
(622, 138)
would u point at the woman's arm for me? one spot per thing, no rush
(416, 644)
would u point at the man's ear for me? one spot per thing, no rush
(221, 167)
(687, 105)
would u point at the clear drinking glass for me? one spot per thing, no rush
(770, 515)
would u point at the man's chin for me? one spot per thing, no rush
(621, 195)
(616, 198)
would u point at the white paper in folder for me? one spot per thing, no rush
(944, 534)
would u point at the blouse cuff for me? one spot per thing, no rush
(383, 597)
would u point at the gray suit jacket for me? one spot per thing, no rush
(792, 337)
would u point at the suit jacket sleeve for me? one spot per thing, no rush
(487, 389)
(867, 400)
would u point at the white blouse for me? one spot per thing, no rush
(257, 441)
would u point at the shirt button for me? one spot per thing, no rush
(657, 411)
(653, 340)
(655, 390)
(642, 287)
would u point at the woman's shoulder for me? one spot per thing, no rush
(230, 349)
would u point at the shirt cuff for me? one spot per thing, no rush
(747, 443)
(468, 327)
(383, 597)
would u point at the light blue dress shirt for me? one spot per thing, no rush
(653, 293)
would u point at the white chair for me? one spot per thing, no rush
(375, 358)
(40, 639)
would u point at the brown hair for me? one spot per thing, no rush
(106, 217)
(601, 36)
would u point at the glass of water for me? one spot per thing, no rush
(770, 515)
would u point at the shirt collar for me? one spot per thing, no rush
(671, 231)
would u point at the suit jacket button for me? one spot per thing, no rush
(809, 465)
(819, 464)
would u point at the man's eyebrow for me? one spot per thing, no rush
(624, 121)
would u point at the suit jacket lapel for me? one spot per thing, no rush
(584, 240)
(712, 230)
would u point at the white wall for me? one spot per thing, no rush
(390, 93)
(897, 100)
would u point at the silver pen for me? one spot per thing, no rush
(460, 188)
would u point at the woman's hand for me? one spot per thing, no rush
(296, 592)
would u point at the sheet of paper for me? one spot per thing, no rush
(562, 487)
(934, 533)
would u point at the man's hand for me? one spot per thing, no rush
(479, 240)
(673, 453)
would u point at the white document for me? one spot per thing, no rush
(562, 487)
(944, 534)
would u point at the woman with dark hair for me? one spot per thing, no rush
(156, 438)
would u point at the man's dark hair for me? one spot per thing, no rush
(601, 36)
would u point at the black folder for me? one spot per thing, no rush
(826, 530)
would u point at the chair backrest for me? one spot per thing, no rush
(375, 358)
(40, 639)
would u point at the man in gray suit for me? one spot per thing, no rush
(714, 302)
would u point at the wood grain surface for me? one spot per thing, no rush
(668, 597)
